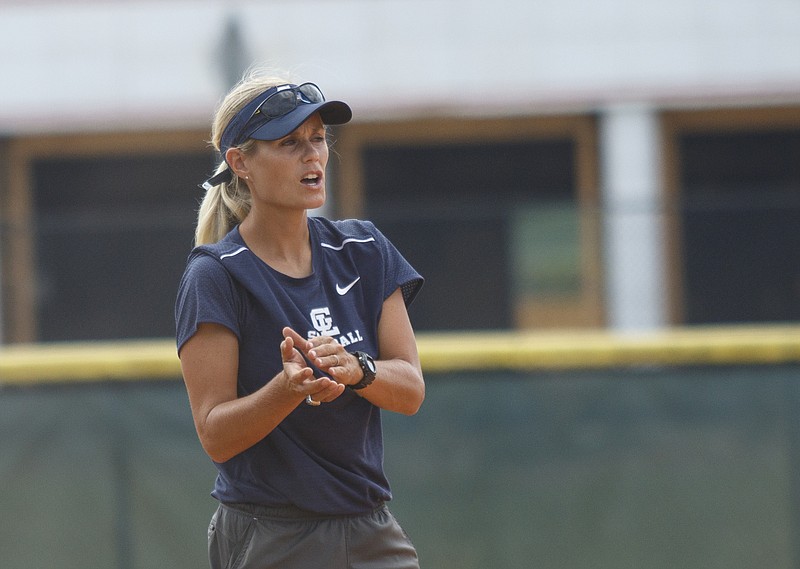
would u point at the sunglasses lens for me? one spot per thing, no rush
(279, 104)
(285, 101)
(310, 93)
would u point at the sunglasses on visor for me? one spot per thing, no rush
(280, 103)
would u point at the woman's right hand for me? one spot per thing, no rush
(299, 377)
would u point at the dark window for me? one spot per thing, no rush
(112, 237)
(454, 211)
(741, 214)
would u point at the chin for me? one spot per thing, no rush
(317, 201)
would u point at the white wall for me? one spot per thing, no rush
(111, 64)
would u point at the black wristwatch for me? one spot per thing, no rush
(368, 367)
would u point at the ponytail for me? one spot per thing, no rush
(223, 207)
(227, 204)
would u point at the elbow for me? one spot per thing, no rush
(217, 456)
(410, 411)
(215, 451)
(414, 403)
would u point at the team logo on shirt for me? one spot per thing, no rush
(323, 323)
(323, 326)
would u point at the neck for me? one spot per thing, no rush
(281, 241)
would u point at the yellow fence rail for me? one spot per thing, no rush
(441, 352)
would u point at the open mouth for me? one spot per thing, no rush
(311, 179)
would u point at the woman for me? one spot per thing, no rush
(293, 334)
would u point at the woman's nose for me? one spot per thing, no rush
(310, 149)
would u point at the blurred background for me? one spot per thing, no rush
(617, 167)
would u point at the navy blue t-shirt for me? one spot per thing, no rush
(326, 459)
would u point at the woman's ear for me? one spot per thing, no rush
(235, 160)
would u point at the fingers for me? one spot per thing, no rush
(287, 348)
(329, 393)
(297, 339)
(295, 369)
(322, 355)
(322, 390)
(325, 353)
(323, 361)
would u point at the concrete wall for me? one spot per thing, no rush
(106, 65)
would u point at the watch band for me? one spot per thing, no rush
(367, 364)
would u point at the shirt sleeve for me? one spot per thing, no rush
(397, 272)
(206, 294)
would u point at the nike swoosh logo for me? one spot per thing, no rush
(344, 290)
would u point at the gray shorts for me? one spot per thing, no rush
(244, 536)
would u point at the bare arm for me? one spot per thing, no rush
(227, 424)
(398, 385)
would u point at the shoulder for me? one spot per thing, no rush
(204, 272)
(335, 233)
(211, 254)
(353, 234)
(227, 247)
(205, 261)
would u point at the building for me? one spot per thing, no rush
(622, 164)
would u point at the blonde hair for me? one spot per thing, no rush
(227, 204)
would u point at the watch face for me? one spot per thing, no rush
(368, 368)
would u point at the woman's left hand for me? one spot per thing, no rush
(329, 356)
